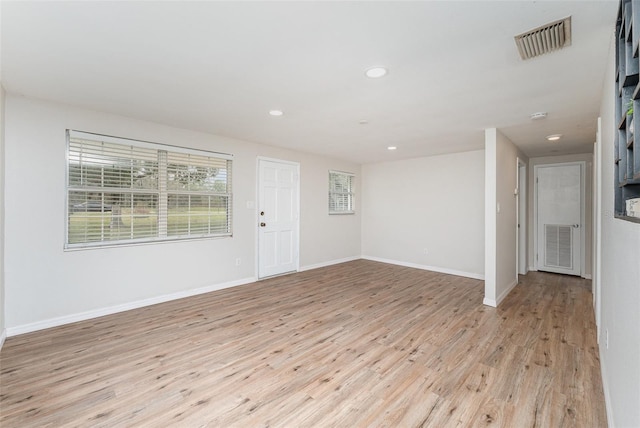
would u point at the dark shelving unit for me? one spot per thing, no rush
(627, 150)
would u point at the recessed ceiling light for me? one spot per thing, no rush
(375, 72)
(391, 148)
(276, 112)
(554, 137)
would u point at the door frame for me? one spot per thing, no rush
(521, 218)
(597, 227)
(583, 168)
(257, 213)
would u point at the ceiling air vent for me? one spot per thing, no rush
(545, 39)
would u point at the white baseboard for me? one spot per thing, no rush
(425, 267)
(533, 269)
(506, 292)
(605, 387)
(489, 302)
(329, 263)
(494, 303)
(3, 336)
(82, 316)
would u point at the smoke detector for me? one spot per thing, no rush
(547, 38)
(539, 115)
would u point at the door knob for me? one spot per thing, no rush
(263, 224)
(576, 225)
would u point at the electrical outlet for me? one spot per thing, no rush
(238, 261)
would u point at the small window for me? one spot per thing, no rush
(123, 191)
(341, 193)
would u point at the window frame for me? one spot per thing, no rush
(162, 152)
(350, 194)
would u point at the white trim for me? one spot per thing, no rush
(489, 302)
(517, 196)
(490, 214)
(596, 267)
(335, 171)
(329, 263)
(605, 387)
(501, 297)
(506, 292)
(425, 267)
(264, 158)
(144, 144)
(137, 242)
(82, 316)
(521, 216)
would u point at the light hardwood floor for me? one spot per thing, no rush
(361, 344)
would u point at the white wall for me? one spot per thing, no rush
(501, 160)
(2, 168)
(434, 204)
(2, 298)
(46, 285)
(620, 286)
(587, 228)
(326, 238)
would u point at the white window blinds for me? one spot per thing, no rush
(341, 193)
(122, 191)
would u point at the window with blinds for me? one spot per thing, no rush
(341, 193)
(123, 191)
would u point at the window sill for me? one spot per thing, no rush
(628, 218)
(81, 247)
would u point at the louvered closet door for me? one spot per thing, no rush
(559, 218)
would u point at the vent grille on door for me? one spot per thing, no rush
(544, 39)
(557, 246)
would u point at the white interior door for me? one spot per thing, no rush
(559, 219)
(278, 209)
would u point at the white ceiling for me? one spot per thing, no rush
(219, 67)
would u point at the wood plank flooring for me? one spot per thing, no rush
(361, 344)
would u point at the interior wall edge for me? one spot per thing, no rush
(489, 302)
(448, 271)
(328, 263)
(506, 291)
